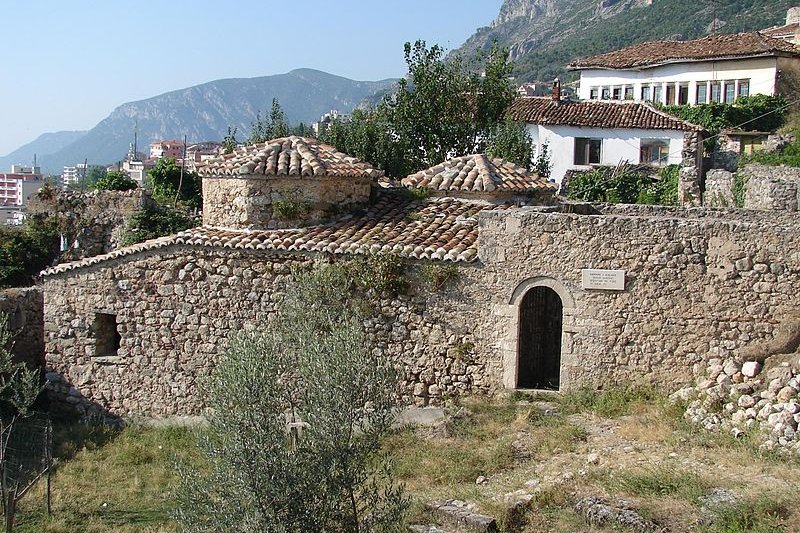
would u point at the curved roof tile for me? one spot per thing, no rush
(437, 228)
(287, 156)
(478, 173)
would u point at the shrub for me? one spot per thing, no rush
(298, 413)
(627, 185)
(153, 222)
(116, 181)
(438, 275)
(289, 208)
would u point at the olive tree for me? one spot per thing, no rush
(298, 411)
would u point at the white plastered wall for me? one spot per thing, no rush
(760, 71)
(617, 145)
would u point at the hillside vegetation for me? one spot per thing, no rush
(545, 35)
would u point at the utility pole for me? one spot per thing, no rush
(183, 164)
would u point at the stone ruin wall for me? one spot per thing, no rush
(698, 286)
(767, 188)
(177, 308)
(23, 307)
(247, 202)
(99, 217)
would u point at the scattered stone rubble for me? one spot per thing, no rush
(738, 397)
(598, 512)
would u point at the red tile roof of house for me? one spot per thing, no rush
(595, 114)
(287, 156)
(716, 47)
(780, 32)
(444, 229)
(478, 173)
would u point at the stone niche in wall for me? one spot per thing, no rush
(286, 182)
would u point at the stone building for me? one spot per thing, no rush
(547, 296)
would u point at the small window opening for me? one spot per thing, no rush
(107, 337)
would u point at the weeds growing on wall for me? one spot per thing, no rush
(290, 208)
(739, 189)
(438, 275)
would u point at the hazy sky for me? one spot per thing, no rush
(66, 64)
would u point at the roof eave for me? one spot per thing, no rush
(647, 66)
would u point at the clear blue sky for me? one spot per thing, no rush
(66, 64)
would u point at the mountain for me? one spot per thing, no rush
(44, 144)
(545, 35)
(204, 112)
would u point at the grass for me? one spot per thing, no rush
(123, 480)
(109, 479)
(612, 403)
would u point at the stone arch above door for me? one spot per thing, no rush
(510, 344)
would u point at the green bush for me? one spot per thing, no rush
(627, 185)
(758, 112)
(116, 181)
(27, 250)
(150, 223)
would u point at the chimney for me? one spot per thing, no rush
(793, 15)
(556, 90)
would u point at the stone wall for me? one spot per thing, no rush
(771, 188)
(250, 202)
(719, 189)
(698, 286)
(689, 181)
(23, 307)
(175, 311)
(93, 222)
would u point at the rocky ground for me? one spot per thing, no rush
(634, 467)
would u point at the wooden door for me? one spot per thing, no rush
(539, 346)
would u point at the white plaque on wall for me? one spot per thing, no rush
(609, 280)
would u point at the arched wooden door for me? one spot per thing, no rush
(539, 357)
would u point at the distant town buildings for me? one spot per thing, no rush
(73, 175)
(173, 148)
(15, 189)
(326, 119)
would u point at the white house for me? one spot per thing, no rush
(583, 134)
(719, 68)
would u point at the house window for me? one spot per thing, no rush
(702, 92)
(617, 94)
(593, 93)
(670, 94)
(629, 92)
(646, 93)
(106, 335)
(657, 93)
(730, 92)
(744, 88)
(654, 151)
(683, 94)
(716, 92)
(587, 151)
(606, 93)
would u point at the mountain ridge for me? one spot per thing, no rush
(204, 112)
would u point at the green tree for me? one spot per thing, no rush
(116, 181)
(444, 108)
(170, 183)
(298, 411)
(275, 126)
(25, 251)
(229, 142)
(511, 141)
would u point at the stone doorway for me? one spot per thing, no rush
(539, 345)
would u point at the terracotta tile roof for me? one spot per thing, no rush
(715, 47)
(444, 229)
(477, 173)
(595, 114)
(785, 32)
(287, 156)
